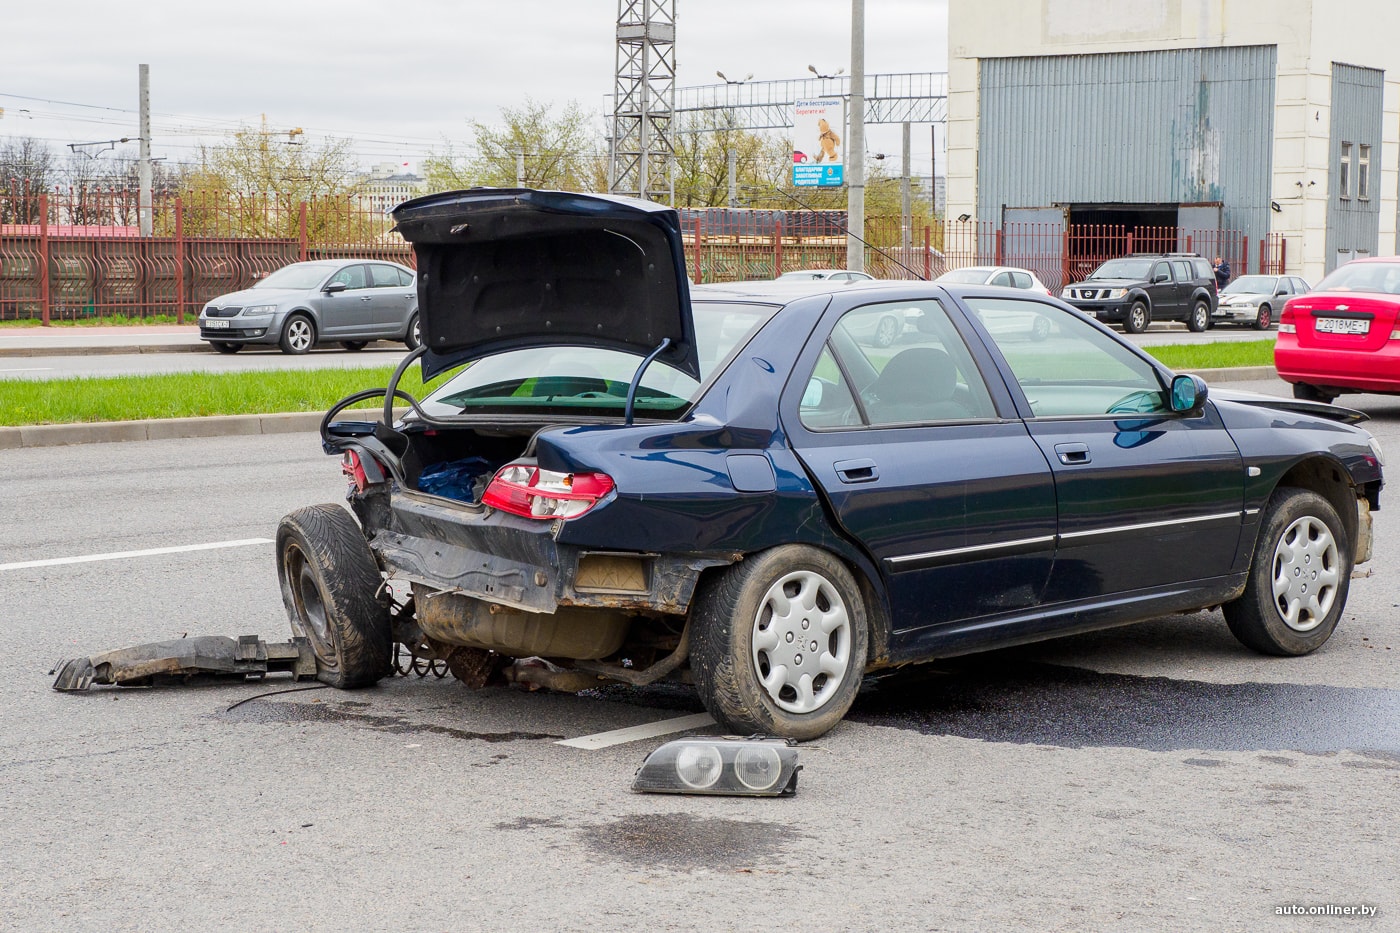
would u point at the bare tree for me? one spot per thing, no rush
(530, 146)
(26, 170)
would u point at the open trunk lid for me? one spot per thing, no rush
(509, 268)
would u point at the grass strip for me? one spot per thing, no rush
(110, 320)
(189, 395)
(1194, 356)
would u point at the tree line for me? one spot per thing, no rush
(532, 144)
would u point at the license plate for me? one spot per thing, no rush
(211, 324)
(1342, 325)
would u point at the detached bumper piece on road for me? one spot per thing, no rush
(245, 657)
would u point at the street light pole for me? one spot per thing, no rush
(144, 219)
(855, 145)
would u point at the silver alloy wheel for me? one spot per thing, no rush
(801, 641)
(1306, 573)
(299, 334)
(417, 337)
(886, 332)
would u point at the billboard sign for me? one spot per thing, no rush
(818, 156)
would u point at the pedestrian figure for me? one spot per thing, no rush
(1222, 273)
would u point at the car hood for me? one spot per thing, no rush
(1317, 409)
(509, 268)
(257, 296)
(1107, 283)
(1251, 298)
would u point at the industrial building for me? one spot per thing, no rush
(1274, 123)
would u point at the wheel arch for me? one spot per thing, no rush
(872, 589)
(1329, 479)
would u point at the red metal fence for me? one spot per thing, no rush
(74, 254)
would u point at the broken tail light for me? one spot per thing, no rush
(524, 489)
(350, 465)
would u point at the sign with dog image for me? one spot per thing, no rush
(818, 157)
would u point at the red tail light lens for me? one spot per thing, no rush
(525, 489)
(350, 465)
(1286, 322)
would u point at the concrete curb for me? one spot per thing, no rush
(91, 350)
(54, 435)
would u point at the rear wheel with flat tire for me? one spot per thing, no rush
(332, 588)
(779, 643)
(1138, 318)
(1298, 582)
(298, 335)
(1199, 319)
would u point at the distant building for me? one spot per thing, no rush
(389, 184)
(1274, 119)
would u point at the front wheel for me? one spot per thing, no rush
(1199, 319)
(780, 643)
(1264, 319)
(224, 346)
(1298, 582)
(332, 589)
(1138, 318)
(298, 335)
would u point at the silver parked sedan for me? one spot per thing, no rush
(350, 301)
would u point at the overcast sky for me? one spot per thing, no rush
(400, 77)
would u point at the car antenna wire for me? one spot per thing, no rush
(637, 378)
(845, 229)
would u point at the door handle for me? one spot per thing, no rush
(1072, 454)
(856, 471)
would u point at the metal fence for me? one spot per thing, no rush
(66, 255)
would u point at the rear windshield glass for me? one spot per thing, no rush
(1123, 269)
(1251, 284)
(300, 275)
(593, 380)
(1383, 277)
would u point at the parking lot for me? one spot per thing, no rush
(1152, 777)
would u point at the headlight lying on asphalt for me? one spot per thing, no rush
(754, 767)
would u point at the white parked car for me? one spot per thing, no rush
(1007, 276)
(1257, 300)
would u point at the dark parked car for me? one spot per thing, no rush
(1139, 289)
(638, 481)
(349, 301)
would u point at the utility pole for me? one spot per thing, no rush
(855, 145)
(733, 170)
(906, 206)
(143, 170)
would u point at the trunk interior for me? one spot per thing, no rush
(458, 463)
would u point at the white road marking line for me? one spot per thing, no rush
(648, 730)
(149, 552)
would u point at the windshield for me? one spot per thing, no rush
(1383, 277)
(589, 379)
(1123, 269)
(964, 276)
(1251, 284)
(300, 275)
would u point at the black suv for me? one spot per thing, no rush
(1145, 287)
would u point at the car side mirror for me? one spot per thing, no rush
(1189, 394)
(334, 287)
(1160, 277)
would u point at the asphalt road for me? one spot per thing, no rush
(1151, 777)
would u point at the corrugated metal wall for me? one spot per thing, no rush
(1353, 223)
(1184, 126)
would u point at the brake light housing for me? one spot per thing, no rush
(1286, 322)
(526, 490)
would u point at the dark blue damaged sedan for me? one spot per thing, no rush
(624, 479)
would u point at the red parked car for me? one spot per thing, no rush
(1343, 336)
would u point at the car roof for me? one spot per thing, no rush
(781, 291)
